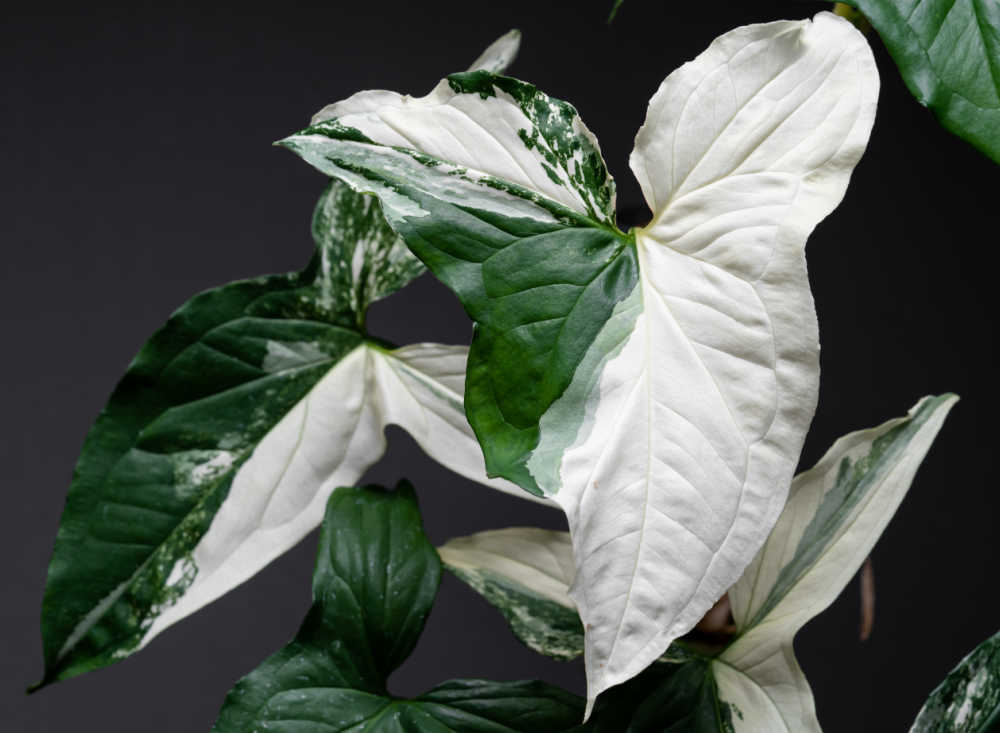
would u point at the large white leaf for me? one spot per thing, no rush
(658, 386)
(700, 419)
(835, 513)
(328, 439)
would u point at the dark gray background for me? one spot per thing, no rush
(137, 171)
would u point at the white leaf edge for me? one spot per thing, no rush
(466, 131)
(760, 665)
(540, 561)
(328, 439)
(500, 54)
(696, 424)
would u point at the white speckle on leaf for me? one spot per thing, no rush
(282, 355)
(214, 467)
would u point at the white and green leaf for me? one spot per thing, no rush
(657, 385)
(525, 572)
(218, 448)
(231, 427)
(375, 581)
(835, 513)
(968, 700)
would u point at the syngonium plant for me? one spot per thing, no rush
(655, 384)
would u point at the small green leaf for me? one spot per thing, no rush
(375, 581)
(948, 52)
(968, 700)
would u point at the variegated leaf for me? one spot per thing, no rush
(656, 384)
(525, 572)
(218, 449)
(968, 700)
(375, 581)
(835, 513)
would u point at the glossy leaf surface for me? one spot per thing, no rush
(968, 700)
(656, 384)
(217, 450)
(375, 581)
(948, 52)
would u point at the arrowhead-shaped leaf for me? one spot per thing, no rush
(231, 427)
(835, 513)
(656, 384)
(968, 700)
(375, 581)
(948, 52)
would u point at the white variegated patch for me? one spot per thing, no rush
(833, 523)
(699, 419)
(672, 448)
(540, 561)
(483, 135)
(329, 439)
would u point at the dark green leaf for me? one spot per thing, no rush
(948, 52)
(189, 412)
(679, 698)
(376, 576)
(968, 701)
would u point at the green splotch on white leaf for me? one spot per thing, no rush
(834, 515)
(525, 573)
(544, 626)
(688, 437)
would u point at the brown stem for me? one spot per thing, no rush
(867, 599)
